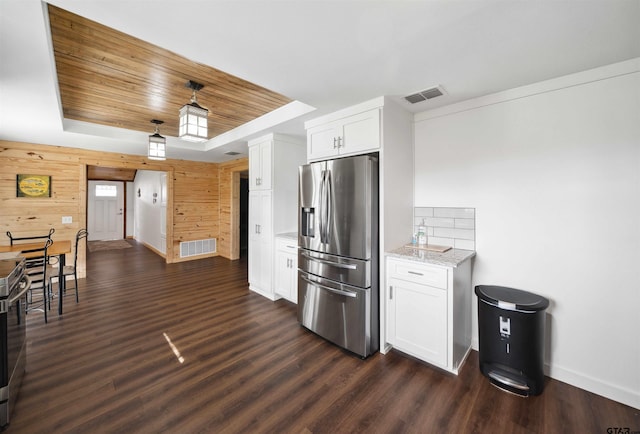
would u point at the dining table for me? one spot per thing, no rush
(58, 249)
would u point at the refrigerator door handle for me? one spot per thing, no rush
(326, 288)
(335, 264)
(321, 213)
(329, 199)
(324, 200)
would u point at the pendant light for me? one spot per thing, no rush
(157, 143)
(193, 117)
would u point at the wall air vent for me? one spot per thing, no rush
(426, 94)
(197, 247)
(232, 153)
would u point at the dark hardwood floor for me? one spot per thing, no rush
(106, 366)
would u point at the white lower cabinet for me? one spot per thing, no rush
(429, 311)
(418, 320)
(287, 269)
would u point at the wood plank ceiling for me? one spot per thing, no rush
(107, 77)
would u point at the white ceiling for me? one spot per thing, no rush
(322, 53)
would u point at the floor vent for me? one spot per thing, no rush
(197, 247)
(426, 94)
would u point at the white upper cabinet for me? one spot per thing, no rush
(260, 165)
(353, 134)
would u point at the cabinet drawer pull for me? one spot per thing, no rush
(390, 292)
(415, 273)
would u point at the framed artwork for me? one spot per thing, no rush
(33, 185)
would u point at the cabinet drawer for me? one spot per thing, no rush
(287, 245)
(418, 273)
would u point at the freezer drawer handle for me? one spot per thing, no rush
(335, 264)
(335, 291)
(416, 273)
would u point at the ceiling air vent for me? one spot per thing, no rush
(426, 94)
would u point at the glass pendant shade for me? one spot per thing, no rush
(157, 146)
(193, 123)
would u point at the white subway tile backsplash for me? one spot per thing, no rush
(465, 223)
(454, 227)
(464, 234)
(466, 213)
(423, 212)
(440, 222)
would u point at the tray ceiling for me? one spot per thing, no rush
(109, 78)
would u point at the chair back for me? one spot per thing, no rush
(20, 240)
(82, 233)
(37, 260)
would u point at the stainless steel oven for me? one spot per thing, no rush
(14, 285)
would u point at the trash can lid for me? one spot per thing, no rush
(511, 298)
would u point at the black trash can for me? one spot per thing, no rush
(511, 334)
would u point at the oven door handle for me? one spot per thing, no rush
(27, 285)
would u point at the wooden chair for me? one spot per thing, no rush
(38, 270)
(72, 270)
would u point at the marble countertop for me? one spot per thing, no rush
(450, 258)
(288, 235)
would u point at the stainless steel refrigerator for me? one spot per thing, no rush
(338, 293)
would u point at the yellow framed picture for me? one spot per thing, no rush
(33, 185)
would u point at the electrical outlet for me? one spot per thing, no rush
(67, 220)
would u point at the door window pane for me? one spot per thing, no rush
(106, 190)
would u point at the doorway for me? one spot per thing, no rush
(244, 215)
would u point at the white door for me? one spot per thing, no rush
(105, 213)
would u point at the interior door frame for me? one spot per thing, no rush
(84, 201)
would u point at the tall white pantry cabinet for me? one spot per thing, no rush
(273, 198)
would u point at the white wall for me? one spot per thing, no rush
(147, 214)
(553, 171)
(130, 209)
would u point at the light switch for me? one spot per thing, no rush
(67, 219)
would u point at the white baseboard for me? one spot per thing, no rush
(270, 296)
(610, 391)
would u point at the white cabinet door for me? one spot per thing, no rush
(286, 279)
(322, 141)
(260, 242)
(360, 133)
(285, 273)
(260, 157)
(418, 320)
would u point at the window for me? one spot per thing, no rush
(106, 190)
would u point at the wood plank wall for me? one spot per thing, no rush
(193, 190)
